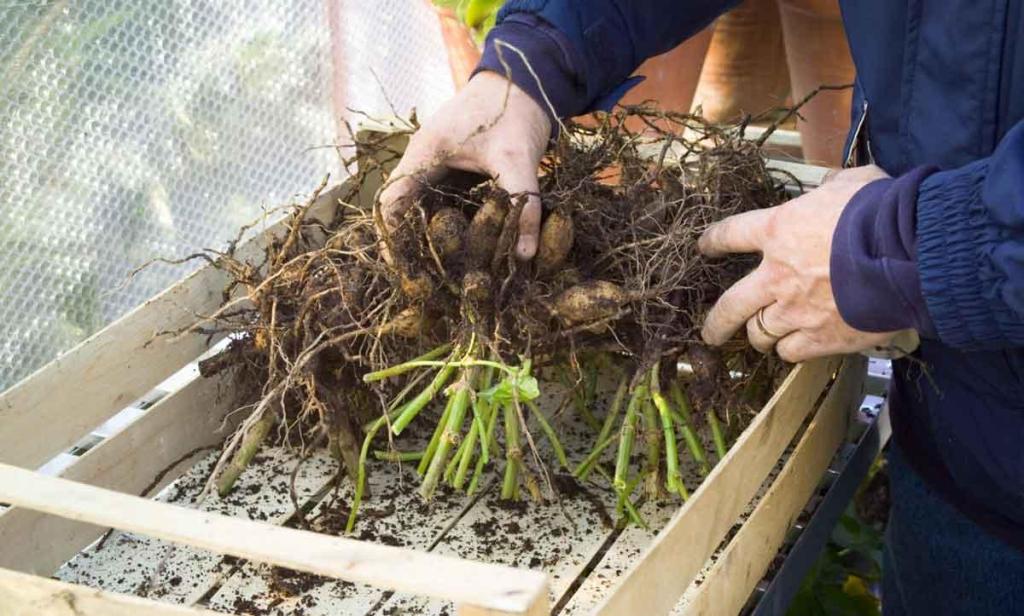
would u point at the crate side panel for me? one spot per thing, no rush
(143, 457)
(50, 410)
(138, 564)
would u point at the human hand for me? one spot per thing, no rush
(787, 301)
(490, 127)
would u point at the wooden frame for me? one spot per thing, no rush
(52, 518)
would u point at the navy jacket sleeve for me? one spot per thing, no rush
(970, 245)
(940, 251)
(582, 52)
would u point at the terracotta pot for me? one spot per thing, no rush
(671, 78)
(817, 53)
(745, 68)
(463, 52)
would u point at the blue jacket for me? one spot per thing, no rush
(940, 87)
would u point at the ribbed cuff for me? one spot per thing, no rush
(873, 265)
(953, 230)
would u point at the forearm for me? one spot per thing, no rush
(579, 56)
(942, 252)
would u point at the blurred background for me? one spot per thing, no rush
(139, 129)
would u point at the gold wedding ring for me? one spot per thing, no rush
(759, 320)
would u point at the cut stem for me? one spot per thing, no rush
(693, 443)
(398, 456)
(449, 436)
(626, 436)
(716, 434)
(404, 367)
(549, 433)
(251, 442)
(414, 406)
(357, 498)
(652, 439)
(461, 363)
(583, 468)
(432, 445)
(492, 422)
(673, 478)
(614, 410)
(510, 485)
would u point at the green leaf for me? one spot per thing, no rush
(517, 385)
(478, 11)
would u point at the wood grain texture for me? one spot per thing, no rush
(29, 595)
(132, 461)
(745, 560)
(460, 581)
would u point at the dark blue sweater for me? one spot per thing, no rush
(940, 247)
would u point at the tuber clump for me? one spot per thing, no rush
(590, 301)
(484, 229)
(353, 336)
(447, 232)
(556, 237)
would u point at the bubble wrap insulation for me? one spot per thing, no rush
(141, 129)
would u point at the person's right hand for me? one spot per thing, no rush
(478, 130)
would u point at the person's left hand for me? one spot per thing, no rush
(792, 284)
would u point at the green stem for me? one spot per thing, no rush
(626, 436)
(549, 433)
(414, 406)
(435, 438)
(464, 452)
(463, 467)
(357, 499)
(623, 502)
(653, 442)
(492, 421)
(693, 443)
(582, 398)
(583, 468)
(680, 401)
(673, 478)
(462, 363)
(481, 410)
(613, 411)
(716, 434)
(510, 485)
(398, 456)
(404, 367)
(246, 450)
(634, 515)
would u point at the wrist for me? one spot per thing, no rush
(873, 263)
(537, 58)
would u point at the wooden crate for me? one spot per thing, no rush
(51, 519)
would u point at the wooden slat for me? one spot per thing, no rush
(540, 607)
(129, 461)
(660, 577)
(452, 579)
(30, 595)
(128, 562)
(50, 410)
(746, 559)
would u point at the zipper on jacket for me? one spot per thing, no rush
(860, 153)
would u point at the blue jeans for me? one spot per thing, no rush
(938, 562)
